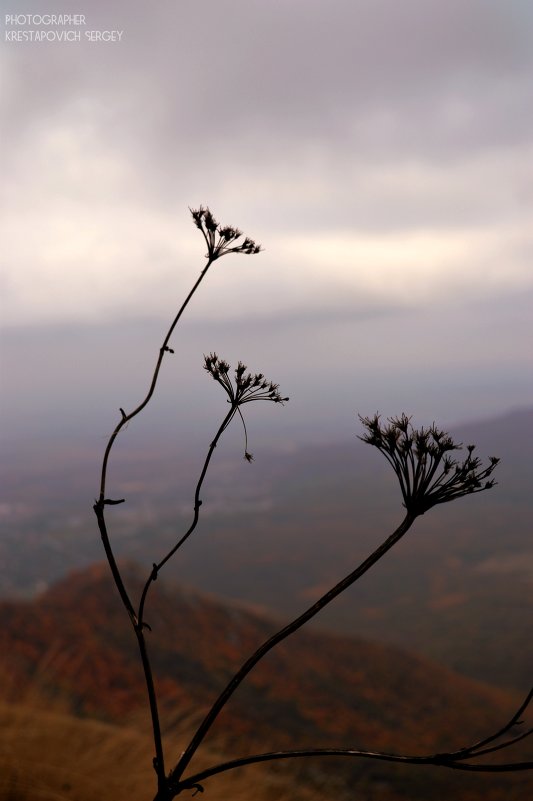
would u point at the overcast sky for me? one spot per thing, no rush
(380, 150)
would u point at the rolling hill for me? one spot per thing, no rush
(277, 533)
(72, 649)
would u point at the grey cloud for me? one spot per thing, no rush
(379, 75)
(287, 117)
(263, 79)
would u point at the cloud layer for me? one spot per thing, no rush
(380, 151)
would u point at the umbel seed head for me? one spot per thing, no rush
(221, 239)
(245, 387)
(421, 459)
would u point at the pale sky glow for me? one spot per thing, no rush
(413, 266)
(434, 230)
(380, 151)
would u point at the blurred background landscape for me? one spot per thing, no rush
(381, 154)
(431, 649)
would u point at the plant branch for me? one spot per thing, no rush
(285, 632)
(159, 760)
(455, 760)
(164, 347)
(220, 241)
(441, 760)
(117, 578)
(514, 721)
(197, 504)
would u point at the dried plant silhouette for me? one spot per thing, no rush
(429, 473)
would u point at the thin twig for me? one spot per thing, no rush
(117, 578)
(197, 504)
(125, 418)
(504, 729)
(441, 760)
(159, 761)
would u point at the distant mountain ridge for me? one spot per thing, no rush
(76, 638)
(75, 645)
(277, 533)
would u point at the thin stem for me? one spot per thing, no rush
(102, 501)
(501, 746)
(245, 431)
(442, 760)
(99, 511)
(286, 631)
(512, 722)
(159, 761)
(197, 504)
(455, 760)
(127, 417)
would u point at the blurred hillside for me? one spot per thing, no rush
(278, 532)
(72, 650)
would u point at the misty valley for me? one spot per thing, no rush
(444, 617)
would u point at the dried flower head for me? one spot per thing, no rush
(421, 459)
(221, 239)
(245, 387)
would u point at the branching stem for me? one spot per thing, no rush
(285, 632)
(442, 760)
(415, 456)
(99, 507)
(455, 760)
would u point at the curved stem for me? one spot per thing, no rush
(442, 760)
(455, 760)
(504, 729)
(197, 504)
(491, 749)
(102, 501)
(127, 417)
(117, 578)
(286, 631)
(99, 511)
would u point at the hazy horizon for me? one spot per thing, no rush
(381, 155)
